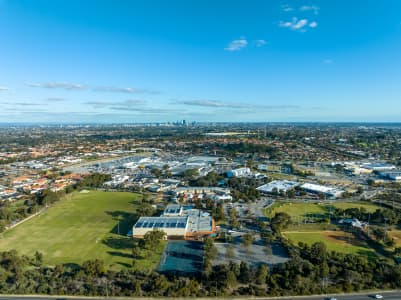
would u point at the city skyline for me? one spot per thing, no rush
(159, 61)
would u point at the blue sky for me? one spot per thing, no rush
(156, 61)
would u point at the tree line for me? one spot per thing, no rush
(311, 270)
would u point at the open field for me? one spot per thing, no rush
(280, 176)
(339, 241)
(300, 212)
(82, 226)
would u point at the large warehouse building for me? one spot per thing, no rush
(329, 192)
(177, 223)
(277, 185)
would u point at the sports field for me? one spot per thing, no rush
(300, 211)
(82, 226)
(339, 241)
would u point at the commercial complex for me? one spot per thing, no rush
(278, 186)
(177, 222)
(240, 172)
(392, 175)
(329, 192)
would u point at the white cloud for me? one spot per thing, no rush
(260, 43)
(127, 103)
(301, 23)
(113, 89)
(285, 24)
(295, 24)
(237, 45)
(286, 8)
(313, 24)
(3, 88)
(315, 9)
(74, 86)
(205, 103)
(55, 99)
(236, 106)
(58, 85)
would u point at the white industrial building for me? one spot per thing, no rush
(173, 210)
(277, 185)
(378, 166)
(329, 192)
(392, 175)
(240, 172)
(116, 180)
(262, 167)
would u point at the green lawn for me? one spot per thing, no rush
(300, 211)
(82, 226)
(370, 207)
(339, 241)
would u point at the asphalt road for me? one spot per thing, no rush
(362, 296)
(367, 296)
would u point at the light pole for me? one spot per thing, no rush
(107, 290)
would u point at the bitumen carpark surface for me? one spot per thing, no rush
(253, 255)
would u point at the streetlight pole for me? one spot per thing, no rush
(107, 290)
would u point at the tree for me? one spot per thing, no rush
(220, 215)
(379, 233)
(136, 252)
(210, 249)
(248, 239)
(261, 274)
(233, 218)
(280, 221)
(231, 279)
(397, 251)
(244, 274)
(190, 173)
(156, 172)
(290, 193)
(230, 251)
(94, 267)
(153, 238)
(318, 253)
(235, 268)
(38, 258)
(145, 210)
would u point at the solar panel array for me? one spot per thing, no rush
(173, 209)
(168, 222)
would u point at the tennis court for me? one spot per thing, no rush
(182, 257)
